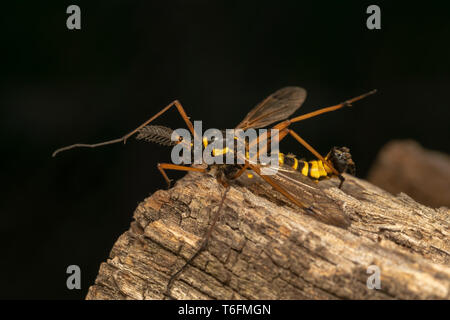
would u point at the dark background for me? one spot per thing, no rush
(219, 59)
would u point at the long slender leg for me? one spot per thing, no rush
(180, 109)
(241, 171)
(342, 179)
(281, 135)
(170, 166)
(283, 128)
(311, 149)
(175, 103)
(267, 140)
(332, 108)
(285, 124)
(279, 188)
(203, 245)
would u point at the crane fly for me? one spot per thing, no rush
(293, 174)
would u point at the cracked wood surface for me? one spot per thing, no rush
(265, 248)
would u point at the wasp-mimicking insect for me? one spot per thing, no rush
(292, 172)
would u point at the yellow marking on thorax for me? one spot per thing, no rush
(305, 168)
(218, 152)
(249, 175)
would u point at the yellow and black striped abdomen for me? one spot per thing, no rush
(314, 169)
(317, 170)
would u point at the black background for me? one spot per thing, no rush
(131, 58)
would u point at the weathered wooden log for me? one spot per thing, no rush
(263, 247)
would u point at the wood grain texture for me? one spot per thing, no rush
(265, 248)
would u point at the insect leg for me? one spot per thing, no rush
(203, 245)
(264, 144)
(240, 172)
(341, 177)
(267, 139)
(332, 108)
(314, 152)
(170, 166)
(175, 103)
(280, 189)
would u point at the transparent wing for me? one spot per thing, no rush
(325, 208)
(276, 107)
(308, 192)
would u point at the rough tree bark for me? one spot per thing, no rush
(263, 247)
